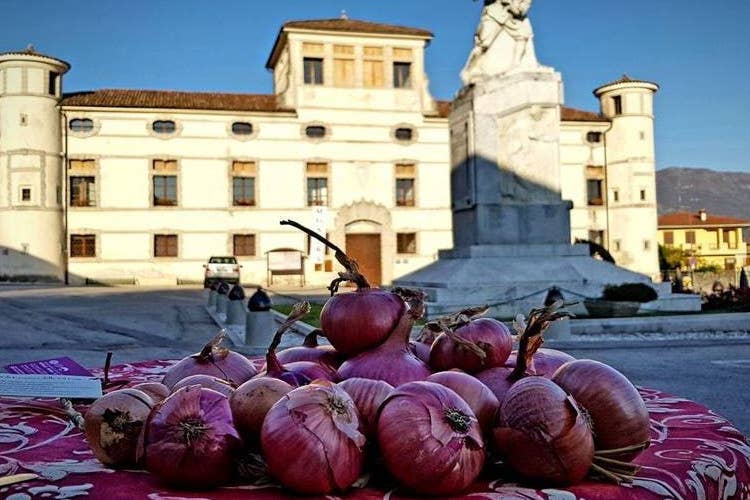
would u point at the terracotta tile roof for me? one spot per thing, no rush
(581, 115)
(343, 25)
(444, 108)
(623, 79)
(356, 26)
(170, 99)
(692, 219)
(30, 51)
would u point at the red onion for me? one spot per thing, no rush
(367, 396)
(311, 351)
(206, 381)
(357, 321)
(542, 433)
(617, 412)
(420, 350)
(430, 439)
(157, 391)
(478, 396)
(471, 346)
(212, 360)
(392, 361)
(544, 362)
(114, 426)
(311, 442)
(500, 379)
(191, 441)
(251, 401)
(300, 372)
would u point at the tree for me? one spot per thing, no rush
(673, 258)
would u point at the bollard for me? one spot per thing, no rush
(212, 295)
(222, 301)
(560, 329)
(236, 308)
(259, 323)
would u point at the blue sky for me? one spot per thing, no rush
(700, 58)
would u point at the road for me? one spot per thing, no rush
(141, 323)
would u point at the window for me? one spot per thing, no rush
(81, 125)
(83, 191)
(317, 184)
(617, 245)
(244, 245)
(730, 263)
(405, 177)
(343, 65)
(315, 131)
(313, 68)
(242, 128)
(616, 195)
(690, 237)
(401, 75)
(730, 238)
(25, 194)
(243, 183)
(617, 104)
(83, 245)
(165, 190)
(165, 245)
(594, 137)
(646, 245)
(164, 127)
(643, 195)
(243, 191)
(52, 84)
(404, 134)
(596, 237)
(668, 238)
(594, 191)
(373, 66)
(406, 242)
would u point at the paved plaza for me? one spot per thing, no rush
(141, 323)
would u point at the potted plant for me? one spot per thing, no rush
(620, 300)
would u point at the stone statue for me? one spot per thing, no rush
(503, 41)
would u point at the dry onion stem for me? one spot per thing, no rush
(352, 272)
(530, 340)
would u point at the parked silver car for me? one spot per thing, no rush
(221, 269)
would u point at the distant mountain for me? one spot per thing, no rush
(690, 189)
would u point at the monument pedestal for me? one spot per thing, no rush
(511, 228)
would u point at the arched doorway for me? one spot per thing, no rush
(364, 244)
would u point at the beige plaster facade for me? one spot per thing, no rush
(358, 100)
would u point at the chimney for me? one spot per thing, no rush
(702, 214)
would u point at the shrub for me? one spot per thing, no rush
(630, 292)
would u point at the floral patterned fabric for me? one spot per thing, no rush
(694, 454)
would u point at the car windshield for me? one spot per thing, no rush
(222, 260)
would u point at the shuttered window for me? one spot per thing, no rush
(374, 67)
(165, 245)
(83, 245)
(244, 245)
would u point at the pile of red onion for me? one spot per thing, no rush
(431, 412)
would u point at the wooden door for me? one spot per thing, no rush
(365, 249)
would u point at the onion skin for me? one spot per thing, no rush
(420, 350)
(300, 373)
(618, 414)
(212, 360)
(191, 441)
(311, 351)
(356, 321)
(206, 381)
(311, 442)
(392, 361)
(367, 395)
(250, 403)
(542, 433)
(546, 361)
(478, 396)
(421, 447)
(497, 380)
(114, 427)
(490, 335)
(157, 391)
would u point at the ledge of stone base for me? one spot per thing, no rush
(520, 250)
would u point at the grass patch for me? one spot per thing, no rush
(313, 318)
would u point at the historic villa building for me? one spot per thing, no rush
(143, 186)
